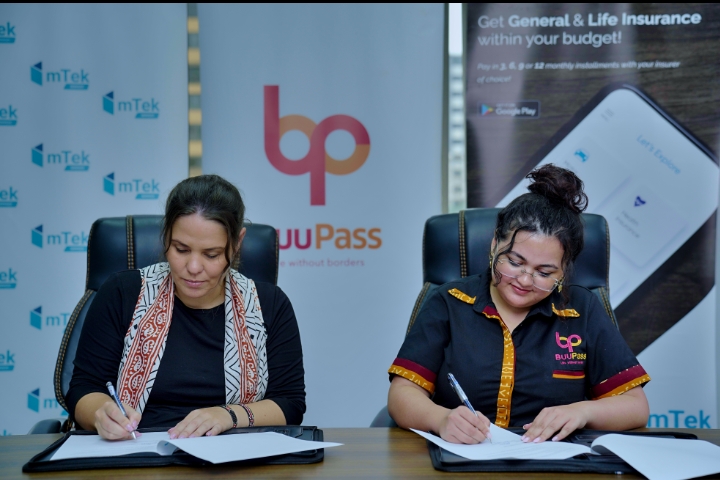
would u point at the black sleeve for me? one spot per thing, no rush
(423, 351)
(101, 341)
(286, 375)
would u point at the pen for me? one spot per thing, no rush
(117, 402)
(461, 394)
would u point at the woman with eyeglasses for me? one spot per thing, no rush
(529, 349)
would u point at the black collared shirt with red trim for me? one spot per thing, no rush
(557, 356)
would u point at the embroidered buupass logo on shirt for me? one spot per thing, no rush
(569, 343)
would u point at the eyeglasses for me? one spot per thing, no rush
(542, 281)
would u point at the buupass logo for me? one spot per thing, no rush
(143, 108)
(317, 161)
(72, 79)
(72, 160)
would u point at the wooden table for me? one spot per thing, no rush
(367, 453)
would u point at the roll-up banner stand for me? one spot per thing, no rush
(329, 120)
(626, 96)
(93, 123)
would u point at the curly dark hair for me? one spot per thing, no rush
(552, 208)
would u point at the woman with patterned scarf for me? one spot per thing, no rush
(191, 344)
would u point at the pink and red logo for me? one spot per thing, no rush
(568, 342)
(317, 161)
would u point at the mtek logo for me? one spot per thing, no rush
(7, 33)
(142, 108)
(8, 198)
(8, 116)
(73, 161)
(8, 279)
(342, 238)
(142, 189)
(35, 403)
(37, 320)
(317, 161)
(7, 361)
(73, 242)
(679, 419)
(73, 80)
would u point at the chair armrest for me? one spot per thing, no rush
(46, 426)
(383, 419)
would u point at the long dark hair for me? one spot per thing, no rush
(215, 199)
(552, 208)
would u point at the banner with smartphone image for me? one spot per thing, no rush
(625, 96)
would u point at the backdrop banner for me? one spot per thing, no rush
(329, 120)
(93, 123)
(626, 96)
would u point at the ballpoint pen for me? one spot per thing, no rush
(463, 398)
(117, 402)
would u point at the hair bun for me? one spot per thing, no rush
(559, 186)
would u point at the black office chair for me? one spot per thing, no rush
(457, 245)
(126, 243)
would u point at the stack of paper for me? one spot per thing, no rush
(219, 449)
(656, 458)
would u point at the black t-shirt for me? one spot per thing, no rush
(191, 373)
(556, 356)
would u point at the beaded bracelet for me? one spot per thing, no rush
(251, 417)
(232, 414)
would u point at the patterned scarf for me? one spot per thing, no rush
(245, 356)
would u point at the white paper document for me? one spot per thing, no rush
(218, 449)
(506, 444)
(663, 458)
(244, 446)
(656, 458)
(78, 446)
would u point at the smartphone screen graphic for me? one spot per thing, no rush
(654, 184)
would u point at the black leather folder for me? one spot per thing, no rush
(42, 463)
(449, 462)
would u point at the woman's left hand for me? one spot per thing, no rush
(204, 421)
(556, 423)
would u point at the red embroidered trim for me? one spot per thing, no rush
(145, 349)
(414, 377)
(416, 368)
(246, 350)
(620, 380)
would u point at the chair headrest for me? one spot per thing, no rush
(125, 243)
(457, 245)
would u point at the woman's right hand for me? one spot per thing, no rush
(462, 426)
(111, 424)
